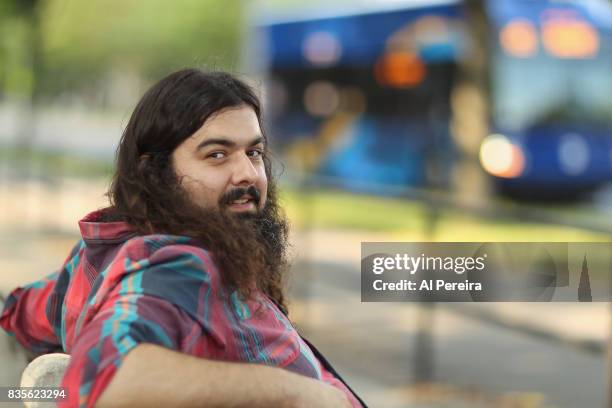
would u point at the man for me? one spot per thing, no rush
(188, 261)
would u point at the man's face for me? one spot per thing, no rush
(221, 164)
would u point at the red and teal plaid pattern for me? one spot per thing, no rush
(117, 290)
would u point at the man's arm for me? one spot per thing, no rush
(23, 315)
(154, 376)
(31, 313)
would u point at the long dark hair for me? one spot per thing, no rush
(146, 192)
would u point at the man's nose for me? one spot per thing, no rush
(244, 173)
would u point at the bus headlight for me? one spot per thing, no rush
(500, 157)
(574, 156)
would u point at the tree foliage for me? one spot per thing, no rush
(84, 40)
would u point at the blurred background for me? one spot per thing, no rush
(392, 120)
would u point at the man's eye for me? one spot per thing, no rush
(216, 155)
(255, 153)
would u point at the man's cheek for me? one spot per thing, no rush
(203, 198)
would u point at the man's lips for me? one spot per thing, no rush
(242, 200)
(244, 203)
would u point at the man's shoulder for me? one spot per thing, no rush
(163, 252)
(162, 246)
(165, 266)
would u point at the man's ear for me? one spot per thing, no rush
(143, 160)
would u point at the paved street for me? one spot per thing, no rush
(472, 361)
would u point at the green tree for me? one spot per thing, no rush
(151, 37)
(22, 43)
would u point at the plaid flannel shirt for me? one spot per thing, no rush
(117, 289)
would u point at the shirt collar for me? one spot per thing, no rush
(94, 229)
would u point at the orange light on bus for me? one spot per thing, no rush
(400, 69)
(501, 158)
(519, 38)
(570, 38)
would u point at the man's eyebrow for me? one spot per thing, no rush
(228, 143)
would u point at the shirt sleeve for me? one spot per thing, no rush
(27, 310)
(24, 316)
(157, 300)
(333, 381)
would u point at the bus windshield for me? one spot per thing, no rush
(543, 90)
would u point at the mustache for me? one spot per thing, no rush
(236, 193)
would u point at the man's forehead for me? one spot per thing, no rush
(238, 126)
(229, 118)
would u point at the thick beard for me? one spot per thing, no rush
(250, 248)
(272, 228)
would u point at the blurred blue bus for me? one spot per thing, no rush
(362, 94)
(550, 94)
